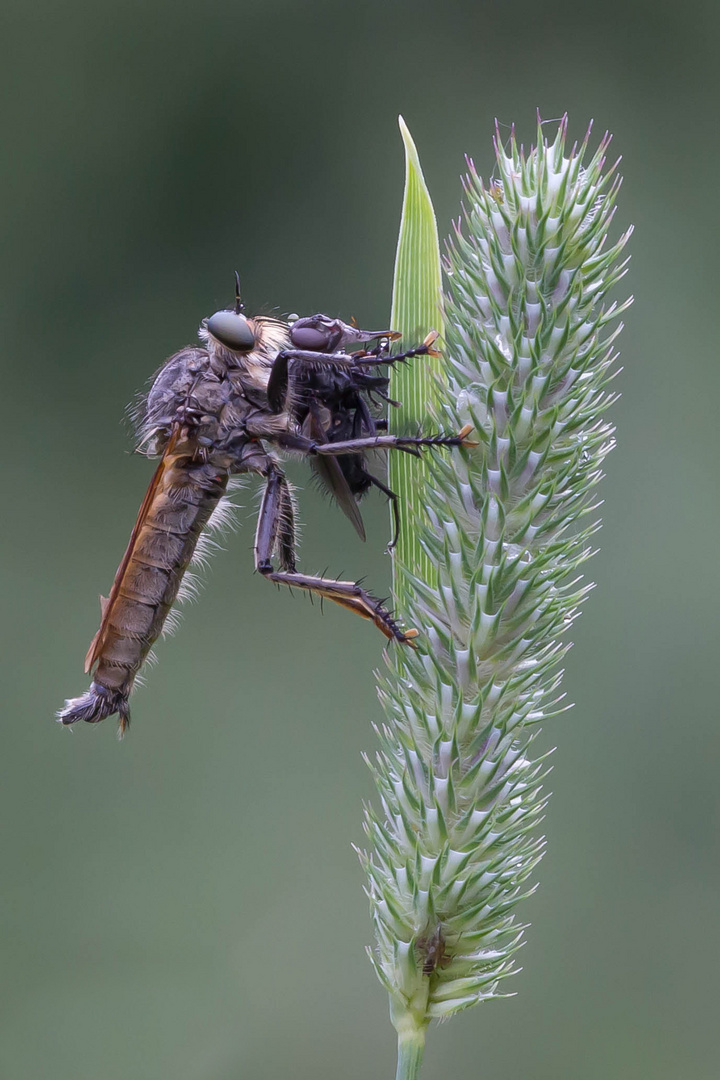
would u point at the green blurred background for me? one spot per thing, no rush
(187, 904)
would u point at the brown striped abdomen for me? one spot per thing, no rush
(186, 496)
(183, 496)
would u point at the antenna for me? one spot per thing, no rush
(239, 306)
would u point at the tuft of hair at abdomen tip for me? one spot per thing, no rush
(95, 705)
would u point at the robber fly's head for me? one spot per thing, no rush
(320, 333)
(230, 326)
(232, 330)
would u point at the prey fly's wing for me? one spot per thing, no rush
(107, 603)
(331, 474)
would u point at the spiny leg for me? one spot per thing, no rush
(365, 357)
(394, 498)
(287, 539)
(275, 528)
(409, 444)
(278, 380)
(348, 594)
(346, 361)
(276, 524)
(379, 355)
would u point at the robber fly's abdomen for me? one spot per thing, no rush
(187, 494)
(186, 498)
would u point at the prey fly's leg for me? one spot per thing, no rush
(377, 356)
(409, 444)
(394, 502)
(278, 380)
(275, 530)
(349, 360)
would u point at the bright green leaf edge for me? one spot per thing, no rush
(416, 309)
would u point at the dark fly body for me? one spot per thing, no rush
(254, 386)
(339, 403)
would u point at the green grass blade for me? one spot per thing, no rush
(416, 309)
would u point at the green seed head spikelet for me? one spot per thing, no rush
(528, 358)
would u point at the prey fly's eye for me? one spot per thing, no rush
(309, 337)
(232, 330)
(317, 333)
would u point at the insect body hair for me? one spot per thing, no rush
(94, 705)
(222, 521)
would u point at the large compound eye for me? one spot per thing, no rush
(232, 330)
(309, 337)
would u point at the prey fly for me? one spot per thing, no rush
(255, 387)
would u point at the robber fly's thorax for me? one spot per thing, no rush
(214, 394)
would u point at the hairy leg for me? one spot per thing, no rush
(276, 529)
(278, 381)
(409, 444)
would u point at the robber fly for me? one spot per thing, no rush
(222, 408)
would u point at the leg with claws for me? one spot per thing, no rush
(394, 500)
(343, 361)
(275, 532)
(380, 355)
(410, 444)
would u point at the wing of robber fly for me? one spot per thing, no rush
(107, 603)
(331, 474)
